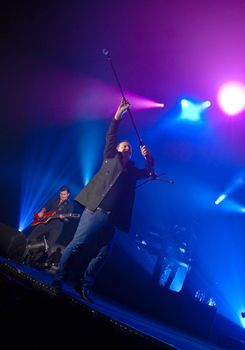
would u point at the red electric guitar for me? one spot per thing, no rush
(49, 215)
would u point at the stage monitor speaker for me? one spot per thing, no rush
(12, 242)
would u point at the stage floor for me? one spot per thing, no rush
(117, 315)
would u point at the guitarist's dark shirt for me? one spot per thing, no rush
(64, 207)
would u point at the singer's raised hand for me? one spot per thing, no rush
(124, 105)
(149, 160)
(145, 151)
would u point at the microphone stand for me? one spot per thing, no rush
(157, 177)
(106, 53)
(153, 175)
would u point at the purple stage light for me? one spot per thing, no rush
(138, 102)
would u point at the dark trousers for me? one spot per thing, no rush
(51, 230)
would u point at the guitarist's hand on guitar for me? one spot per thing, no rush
(41, 213)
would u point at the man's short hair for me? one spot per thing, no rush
(64, 188)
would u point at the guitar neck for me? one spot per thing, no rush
(50, 215)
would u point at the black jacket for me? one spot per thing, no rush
(95, 191)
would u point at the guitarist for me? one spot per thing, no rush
(52, 228)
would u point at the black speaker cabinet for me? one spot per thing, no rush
(12, 242)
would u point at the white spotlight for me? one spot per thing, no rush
(206, 104)
(220, 199)
(184, 103)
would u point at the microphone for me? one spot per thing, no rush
(106, 52)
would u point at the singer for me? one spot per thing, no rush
(108, 201)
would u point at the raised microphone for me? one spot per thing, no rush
(106, 52)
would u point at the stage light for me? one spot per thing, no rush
(184, 103)
(220, 198)
(235, 184)
(206, 104)
(191, 110)
(231, 97)
(243, 314)
(33, 246)
(211, 301)
(139, 102)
